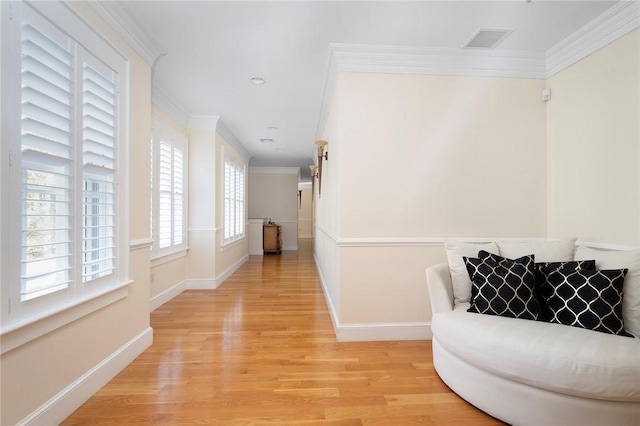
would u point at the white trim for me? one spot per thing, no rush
(169, 106)
(439, 241)
(384, 331)
(65, 402)
(230, 270)
(203, 122)
(335, 320)
(605, 246)
(614, 23)
(231, 138)
(275, 170)
(140, 243)
(123, 19)
(290, 248)
(24, 331)
(437, 61)
(200, 284)
(166, 295)
(372, 331)
(215, 123)
(256, 252)
(228, 245)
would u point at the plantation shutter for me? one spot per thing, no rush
(233, 200)
(165, 187)
(98, 175)
(178, 195)
(46, 155)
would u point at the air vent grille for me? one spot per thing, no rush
(487, 38)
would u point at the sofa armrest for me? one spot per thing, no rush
(440, 288)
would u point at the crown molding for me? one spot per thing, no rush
(614, 23)
(122, 19)
(438, 61)
(203, 122)
(167, 105)
(231, 138)
(275, 170)
(420, 60)
(215, 123)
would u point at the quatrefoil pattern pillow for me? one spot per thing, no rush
(502, 286)
(585, 298)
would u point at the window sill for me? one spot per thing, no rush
(168, 257)
(227, 246)
(16, 335)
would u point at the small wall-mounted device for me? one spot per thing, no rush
(546, 94)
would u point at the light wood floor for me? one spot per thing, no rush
(260, 349)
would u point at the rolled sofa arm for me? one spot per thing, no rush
(440, 289)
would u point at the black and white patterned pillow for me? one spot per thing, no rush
(585, 298)
(502, 286)
(541, 276)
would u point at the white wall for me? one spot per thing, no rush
(209, 261)
(593, 139)
(273, 194)
(420, 158)
(305, 224)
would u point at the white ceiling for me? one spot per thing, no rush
(213, 48)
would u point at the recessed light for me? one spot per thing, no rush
(266, 140)
(258, 81)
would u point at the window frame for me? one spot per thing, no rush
(24, 319)
(238, 219)
(161, 132)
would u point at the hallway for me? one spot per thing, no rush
(261, 349)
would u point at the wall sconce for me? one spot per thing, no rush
(321, 147)
(314, 175)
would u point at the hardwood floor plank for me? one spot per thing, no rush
(261, 350)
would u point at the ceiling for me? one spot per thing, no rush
(213, 48)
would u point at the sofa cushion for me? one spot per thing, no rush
(544, 251)
(555, 357)
(502, 286)
(590, 299)
(615, 259)
(461, 283)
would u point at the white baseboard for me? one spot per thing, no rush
(230, 270)
(332, 311)
(200, 284)
(256, 252)
(290, 248)
(163, 297)
(372, 332)
(379, 332)
(68, 400)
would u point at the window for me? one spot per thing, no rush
(168, 204)
(65, 203)
(233, 200)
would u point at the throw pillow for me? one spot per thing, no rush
(502, 286)
(618, 259)
(585, 298)
(544, 268)
(460, 281)
(544, 251)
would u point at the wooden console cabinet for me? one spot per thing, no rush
(271, 239)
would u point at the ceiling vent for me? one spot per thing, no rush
(487, 38)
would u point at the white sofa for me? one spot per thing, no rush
(528, 372)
